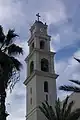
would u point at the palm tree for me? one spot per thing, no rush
(72, 88)
(9, 65)
(61, 111)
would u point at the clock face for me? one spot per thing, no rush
(41, 29)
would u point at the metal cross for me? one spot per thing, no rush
(38, 16)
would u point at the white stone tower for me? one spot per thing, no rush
(41, 77)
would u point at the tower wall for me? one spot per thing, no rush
(41, 77)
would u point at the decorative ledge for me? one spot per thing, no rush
(40, 73)
(39, 50)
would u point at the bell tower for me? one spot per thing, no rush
(41, 77)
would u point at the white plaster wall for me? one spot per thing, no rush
(36, 57)
(38, 95)
(37, 82)
(40, 89)
(31, 84)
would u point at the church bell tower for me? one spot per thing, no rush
(41, 77)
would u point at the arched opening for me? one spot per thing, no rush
(31, 100)
(45, 86)
(46, 97)
(44, 65)
(31, 90)
(42, 44)
(33, 45)
(31, 67)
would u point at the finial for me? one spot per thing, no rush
(38, 16)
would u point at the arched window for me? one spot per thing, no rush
(31, 101)
(44, 65)
(31, 90)
(46, 97)
(42, 44)
(32, 45)
(31, 67)
(45, 86)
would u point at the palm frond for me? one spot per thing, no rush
(66, 108)
(16, 63)
(48, 108)
(64, 105)
(69, 108)
(44, 109)
(14, 49)
(77, 59)
(74, 115)
(2, 36)
(8, 64)
(58, 109)
(70, 88)
(44, 112)
(53, 116)
(7, 72)
(48, 111)
(6, 60)
(75, 81)
(10, 36)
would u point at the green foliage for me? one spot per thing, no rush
(72, 88)
(8, 63)
(9, 66)
(61, 111)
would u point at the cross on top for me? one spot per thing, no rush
(38, 16)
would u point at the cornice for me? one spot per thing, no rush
(41, 51)
(32, 111)
(40, 73)
(47, 37)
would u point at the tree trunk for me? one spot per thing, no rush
(3, 114)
